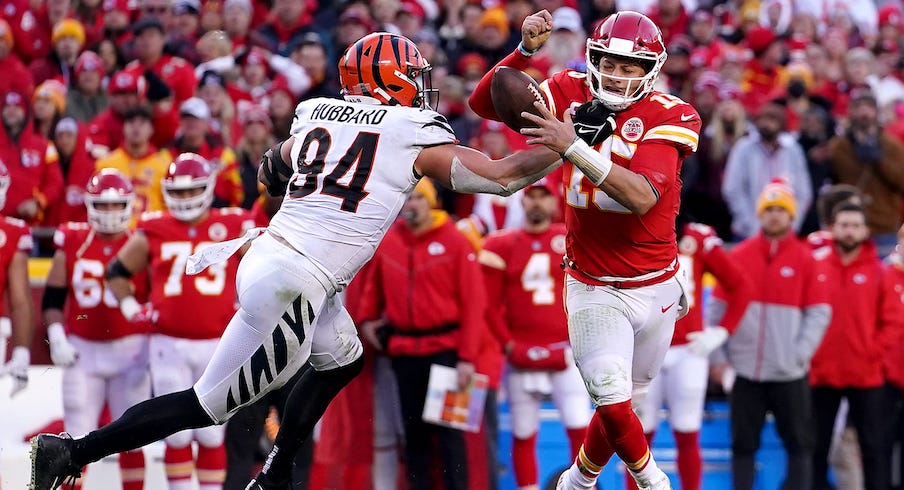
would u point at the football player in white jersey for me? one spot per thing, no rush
(346, 170)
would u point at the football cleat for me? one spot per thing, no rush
(51, 462)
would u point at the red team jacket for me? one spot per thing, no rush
(867, 319)
(524, 282)
(894, 360)
(423, 282)
(652, 137)
(33, 169)
(15, 236)
(92, 311)
(701, 251)
(174, 294)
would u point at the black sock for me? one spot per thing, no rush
(306, 403)
(144, 423)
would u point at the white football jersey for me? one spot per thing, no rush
(354, 169)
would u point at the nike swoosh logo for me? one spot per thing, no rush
(667, 308)
(686, 117)
(586, 131)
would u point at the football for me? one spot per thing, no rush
(514, 92)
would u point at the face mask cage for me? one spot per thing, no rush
(635, 88)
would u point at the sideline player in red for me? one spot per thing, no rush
(624, 147)
(681, 384)
(523, 276)
(188, 312)
(105, 358)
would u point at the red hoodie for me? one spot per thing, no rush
(424, 282)
(894, 360)
(867, 318)
(33, 169)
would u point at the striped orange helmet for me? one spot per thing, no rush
(389, 68)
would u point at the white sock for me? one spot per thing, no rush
(649, 475)
(580, 480)
(386, 468)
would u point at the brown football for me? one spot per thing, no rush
(514, 92)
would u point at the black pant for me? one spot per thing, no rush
(412, 375)
(868, 418)
(243, 434)
(894, 403)
(491, 430)
(789, 402)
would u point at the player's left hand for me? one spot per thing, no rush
(466, 372)
(556, 135)
(17, 368)
(593, 122)
(707, 340)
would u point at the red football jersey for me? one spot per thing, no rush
(92, 311)
(700, 251)
(525, 279)
(200, 306)
(651, 138)
(15, 236)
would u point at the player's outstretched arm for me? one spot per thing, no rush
(20, 304)
(629, 189)
(469, 171)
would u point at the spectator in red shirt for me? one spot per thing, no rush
(176, 73)
(894, 360)
(436, 318)
(289, 20)
(15, 75)
(763, 73)
(67, 41)
(34, 27)
(77, 166)
(48, 102)
(31, 160)
(116, 18)
(867, 320)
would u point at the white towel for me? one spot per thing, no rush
(218, 252)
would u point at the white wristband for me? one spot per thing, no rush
(56, 332)
(129, 307)
(526, 52)
(592, 163)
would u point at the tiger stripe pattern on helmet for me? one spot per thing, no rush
(385, 67)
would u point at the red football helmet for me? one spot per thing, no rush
(4, 183)
(109, 186)
(189, 171)
(625, 35)
(389, 68)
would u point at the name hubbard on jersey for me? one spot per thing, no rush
(349, 114)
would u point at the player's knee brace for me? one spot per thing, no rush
(346, 350)
(607, 378)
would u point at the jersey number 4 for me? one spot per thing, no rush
(359, 155)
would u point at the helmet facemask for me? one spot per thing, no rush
(636, 87)
(110, 221)
(188, 208)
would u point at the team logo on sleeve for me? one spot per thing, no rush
(217, 232)
(558, 244)
(687, 245)
(632, 130)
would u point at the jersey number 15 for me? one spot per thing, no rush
(359, 154)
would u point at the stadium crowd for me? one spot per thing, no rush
(802, 108)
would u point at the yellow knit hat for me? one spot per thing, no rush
(54, 91)
(68, 27)
(777, 193)
(426, 188)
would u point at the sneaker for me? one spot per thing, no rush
(51, 462)
(562, 484)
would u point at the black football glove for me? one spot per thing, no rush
(274, 172)
(593, 123)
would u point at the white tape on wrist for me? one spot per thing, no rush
(592, 163)
(129, 307)
(56, 332)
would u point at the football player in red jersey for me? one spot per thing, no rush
(522, 272)
(623, 143)
(15, 247)
(182, 343)
(105, 358)
(681, 384)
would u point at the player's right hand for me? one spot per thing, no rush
(62, 353)
(17, 368)
(535, 30)
(136, 312)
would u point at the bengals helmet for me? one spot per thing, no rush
(628, 35)
(189, 171)
(109, 186)
(389, 68)
(4, 183)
